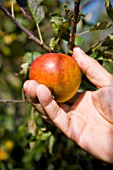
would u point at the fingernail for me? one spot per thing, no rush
(78, 54)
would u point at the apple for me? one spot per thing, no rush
(59, 72)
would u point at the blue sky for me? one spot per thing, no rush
(95, 7)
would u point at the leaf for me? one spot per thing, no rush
(54, 44)
(32, 127)
(51, 143)
(109, 8)
(101, 26)
(108, 65)
(78, 40)
(60, 26)
(29, 57)
(37, 10)
(108, 41)
(24, 69)
(43, 136)
(81, 14)
(68, 13)
(56, 22)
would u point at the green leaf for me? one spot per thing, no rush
(52, 43)
(24, 69)
(29, 57)
(37, 10)
(68, 13)
(108, 41)
(81, 14)
(43, 136)
(109, 8)
(101, 26)
(61, 27)
(57, 22)
(108, 64)
(78, 40)
(51, 143)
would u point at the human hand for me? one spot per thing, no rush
(87, 119)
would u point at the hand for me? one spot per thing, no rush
(87, 119)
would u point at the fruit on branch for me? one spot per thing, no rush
(59, 72)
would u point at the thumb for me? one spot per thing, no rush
(57, 115)
(93, 70)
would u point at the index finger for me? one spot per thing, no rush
(98, 75)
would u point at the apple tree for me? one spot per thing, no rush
(29, 28)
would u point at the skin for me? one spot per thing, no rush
(87, 119)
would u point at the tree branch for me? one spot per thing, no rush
(28, 33)
(86, 3)
(12, 101)
(74, 24)
(97, 43)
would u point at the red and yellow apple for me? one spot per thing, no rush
(59, 72)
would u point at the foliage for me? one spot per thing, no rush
(27, 141)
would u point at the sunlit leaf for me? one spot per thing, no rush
(61, 27)
(52, 43)
(32, 126)
(42, 135)
(51, 143)
(81, 14)
(101, 26)
(37, 10)
(78, 40)
(24, 69)
(29, 57)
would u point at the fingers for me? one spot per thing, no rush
(30, 90)
(93, 70)
(55, 113)
(103, 101)
(47, 104)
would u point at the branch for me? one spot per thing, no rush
(74, 24)
(28, 33)
(97, 43)
(12, 101)
(86, 3)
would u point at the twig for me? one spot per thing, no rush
(85, 4)
(28, 33)
(12, 101)
(97, 43)
(74, 23)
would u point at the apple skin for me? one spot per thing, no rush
(59, 72)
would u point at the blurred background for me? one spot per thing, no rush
(26, 141)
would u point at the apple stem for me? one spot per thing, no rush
(74, 24)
